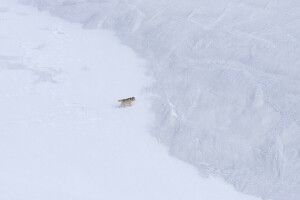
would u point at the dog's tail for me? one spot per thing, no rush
(121, 100)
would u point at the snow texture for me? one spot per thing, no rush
(62, 134)
(227, 72)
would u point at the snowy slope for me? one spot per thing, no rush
(62, 135)
(227, 74)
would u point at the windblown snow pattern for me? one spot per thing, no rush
(227, 72)
(62, 133)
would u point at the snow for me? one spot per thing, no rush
(62, 134)
(226, 93)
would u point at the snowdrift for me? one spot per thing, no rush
(227, 81)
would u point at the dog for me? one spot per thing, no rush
(126, 102)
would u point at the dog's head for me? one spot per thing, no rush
(133, 99)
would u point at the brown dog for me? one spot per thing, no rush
(126, 102)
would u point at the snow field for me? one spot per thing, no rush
(62, 135)
(227, 81)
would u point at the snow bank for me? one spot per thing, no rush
(62, 135)
(227, 81)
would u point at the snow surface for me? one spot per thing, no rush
(227, 78)
(227, 72)
(62, 135)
